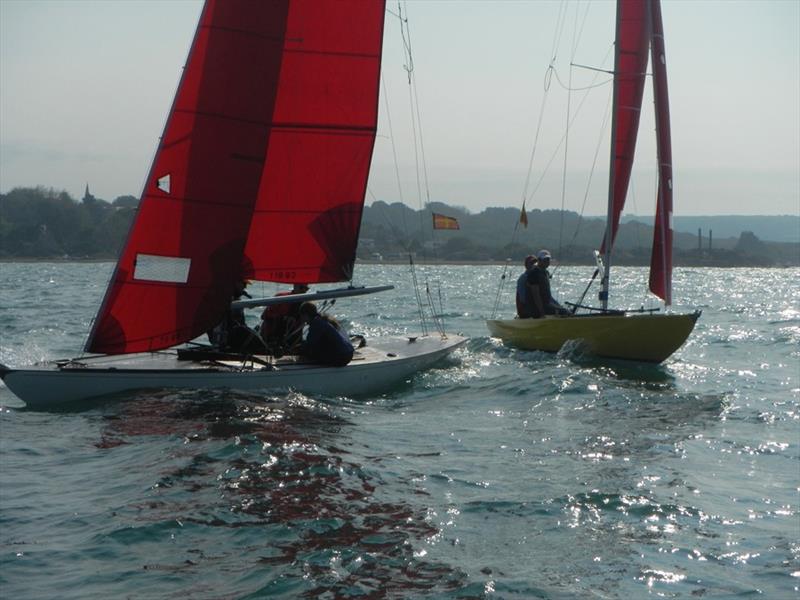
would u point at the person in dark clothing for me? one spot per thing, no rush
(523, 309)
(281, 328)
(232, 333)
(325, 342)
(539, 298)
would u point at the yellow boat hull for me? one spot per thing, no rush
(643, 337)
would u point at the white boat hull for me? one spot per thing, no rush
(375, 367)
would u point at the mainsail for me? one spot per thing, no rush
(308, 213)
(639, 28)
(275, 114)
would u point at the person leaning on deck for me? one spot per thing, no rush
(325, 341)
(523, 309)
(540, 299)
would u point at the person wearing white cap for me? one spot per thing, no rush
(539, 298)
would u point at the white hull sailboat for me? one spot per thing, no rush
(260, 174)
(375, 368)
(631, 335)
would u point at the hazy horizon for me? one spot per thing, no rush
(84, 94)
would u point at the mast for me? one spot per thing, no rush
(609, 235)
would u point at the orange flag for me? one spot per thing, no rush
(443, 222)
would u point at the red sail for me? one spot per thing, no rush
(661, 258)
(184, 253)
(630, 68)
(308, 214)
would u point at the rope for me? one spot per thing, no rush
(422, 320)
(499, 290)
(394, 151)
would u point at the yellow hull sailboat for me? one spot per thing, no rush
(644, 337)
(632, 335)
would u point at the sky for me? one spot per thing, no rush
(85, 87)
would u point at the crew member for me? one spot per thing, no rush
(523, 310)
(281, 328)
(325, 341)
(540, 300)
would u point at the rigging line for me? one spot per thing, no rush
(583, 25)
(558, 146)
(405, 36)
(415, 108)
(535, 141)
(405, 33)
(441, 308)
(566, 138)
(403, 242)
(415, 105)
(586, 87)
(436, 318)
(603, 126)
(394, 154)
(646, 291)
(421, 143)
(409, 71)
(422, 320)
(557, 33)
(561, 20)
(500, 289)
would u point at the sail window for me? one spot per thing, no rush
(170, 269)
(163, 183)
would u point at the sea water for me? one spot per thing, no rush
(499, 474)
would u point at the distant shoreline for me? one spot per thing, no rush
(475, 263)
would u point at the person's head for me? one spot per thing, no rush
(530, 260)
(299, 288)
(308, 310)
(543, 257)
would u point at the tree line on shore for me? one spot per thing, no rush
(40, 223)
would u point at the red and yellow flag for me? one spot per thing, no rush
(444, 222)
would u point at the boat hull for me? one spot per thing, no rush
(376, 367)
(641, 337)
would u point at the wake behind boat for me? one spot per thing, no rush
(632, 335)
(260, 174)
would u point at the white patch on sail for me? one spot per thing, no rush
(671, 228)
(163, 183)
(169, 269)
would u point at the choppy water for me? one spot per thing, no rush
(500, 474)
